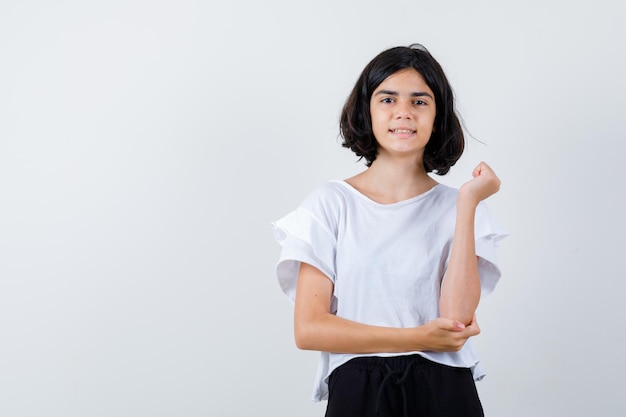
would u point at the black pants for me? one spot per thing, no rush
(401, 386)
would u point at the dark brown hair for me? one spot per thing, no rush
(446, 143)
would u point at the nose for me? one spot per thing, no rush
(402, 111)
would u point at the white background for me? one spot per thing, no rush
(145, 147)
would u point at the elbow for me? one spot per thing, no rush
(460, 304)
(463, 315)
(303, 337)
(302, 344)
(466, 318)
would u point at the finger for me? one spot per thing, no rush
(457, 326)
(480, 169)
(474, 330)
(450, 325)
(477, 171)
(473, 326)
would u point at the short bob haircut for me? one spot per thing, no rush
(446, 143)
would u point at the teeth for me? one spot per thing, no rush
(402, 131)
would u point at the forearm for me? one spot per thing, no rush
(460, 291)
(329, 333)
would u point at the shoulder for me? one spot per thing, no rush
(327, 195)
(448, 196)
(445, 191)
(485, 221)
(445, 196)
(327, 203)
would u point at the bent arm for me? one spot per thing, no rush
(316, 328)
(460, 290)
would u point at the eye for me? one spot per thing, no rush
(420, 102)
(387, 100)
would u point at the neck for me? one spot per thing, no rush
(390, 181)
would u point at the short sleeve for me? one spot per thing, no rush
(488, 234)
(304, 238)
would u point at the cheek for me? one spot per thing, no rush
(378, 127)
(431, 123)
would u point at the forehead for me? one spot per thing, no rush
(407, 79)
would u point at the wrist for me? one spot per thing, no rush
(467, 201)
(417, 337)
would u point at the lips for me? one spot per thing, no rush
(402, 131)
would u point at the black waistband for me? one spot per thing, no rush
(396, 370)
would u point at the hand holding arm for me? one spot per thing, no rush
(316, 328)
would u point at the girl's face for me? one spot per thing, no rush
(403, 113)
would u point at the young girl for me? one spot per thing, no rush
(386, 268)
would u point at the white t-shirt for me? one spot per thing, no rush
(386, 261)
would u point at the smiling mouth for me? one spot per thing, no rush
(403, 131)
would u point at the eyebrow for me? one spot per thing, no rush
(395, 93)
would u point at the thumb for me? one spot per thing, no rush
(451, 325)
